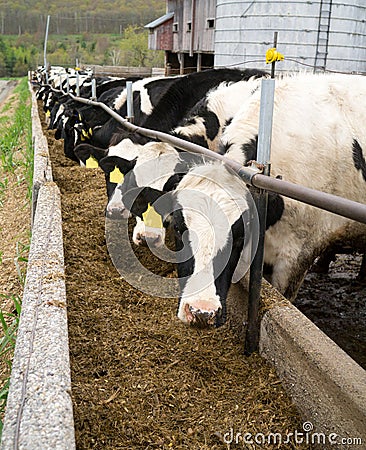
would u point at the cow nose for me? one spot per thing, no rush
(147, 241)
(139, 239)
(202, 318)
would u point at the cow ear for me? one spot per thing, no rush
(109, 163)
(84, 151)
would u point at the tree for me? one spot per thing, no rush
(135, 48)
(134, 45)
(115, 56)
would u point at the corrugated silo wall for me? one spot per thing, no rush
(245, 30)
(347, 38)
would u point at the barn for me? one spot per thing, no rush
(313, 35)
(186, 34)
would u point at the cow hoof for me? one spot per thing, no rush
(199, 318)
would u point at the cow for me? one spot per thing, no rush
(71, 122)
(107, 89)
(94, 126)
(160, 166)
(317, 141)
(183, 93)
(214, 222)
(173, 97)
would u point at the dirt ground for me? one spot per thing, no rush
(14, 215)
(140, 378)
(336, 303)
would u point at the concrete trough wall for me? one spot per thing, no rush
(42, 167)
(39, 408)
(327, 385)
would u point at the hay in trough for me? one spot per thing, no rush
(140, 378)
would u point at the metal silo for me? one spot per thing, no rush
(312, 35)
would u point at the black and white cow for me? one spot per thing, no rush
(163, 103)
(107, 89)
(317, 140)
(73, 120)
(160, 166)
(187, 91)
(94, 126)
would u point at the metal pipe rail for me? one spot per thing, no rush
(329, 202)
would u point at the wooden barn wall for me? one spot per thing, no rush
(164, 36)
(203, 36)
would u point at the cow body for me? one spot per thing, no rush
(146, 94)
(317, 140)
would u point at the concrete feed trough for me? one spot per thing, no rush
(327, 386)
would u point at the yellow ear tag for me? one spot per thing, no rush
(90, 132)
(116, 176)
(48, 113)
(151, 218)
(91, 163)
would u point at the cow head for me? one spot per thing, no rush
(141, 165)
(67, 130)
(84, 151)
(159, 167)
(212, 213)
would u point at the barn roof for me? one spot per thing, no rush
(155, 23)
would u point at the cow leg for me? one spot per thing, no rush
(323, 262)
(289, 272)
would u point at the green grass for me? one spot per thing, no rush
(16, 154)
(3, 187)
(11, 136)
(9, 326)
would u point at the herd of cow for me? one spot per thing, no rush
(318, 139)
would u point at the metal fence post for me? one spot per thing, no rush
(94, 89)
(45, 48)
(260, 198)
(130, 112)
(77, 83)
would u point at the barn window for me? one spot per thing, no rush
(210, 23)
(175, 27)
(189, 27)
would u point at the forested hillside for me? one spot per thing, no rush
(92, 32)
(76, 16)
